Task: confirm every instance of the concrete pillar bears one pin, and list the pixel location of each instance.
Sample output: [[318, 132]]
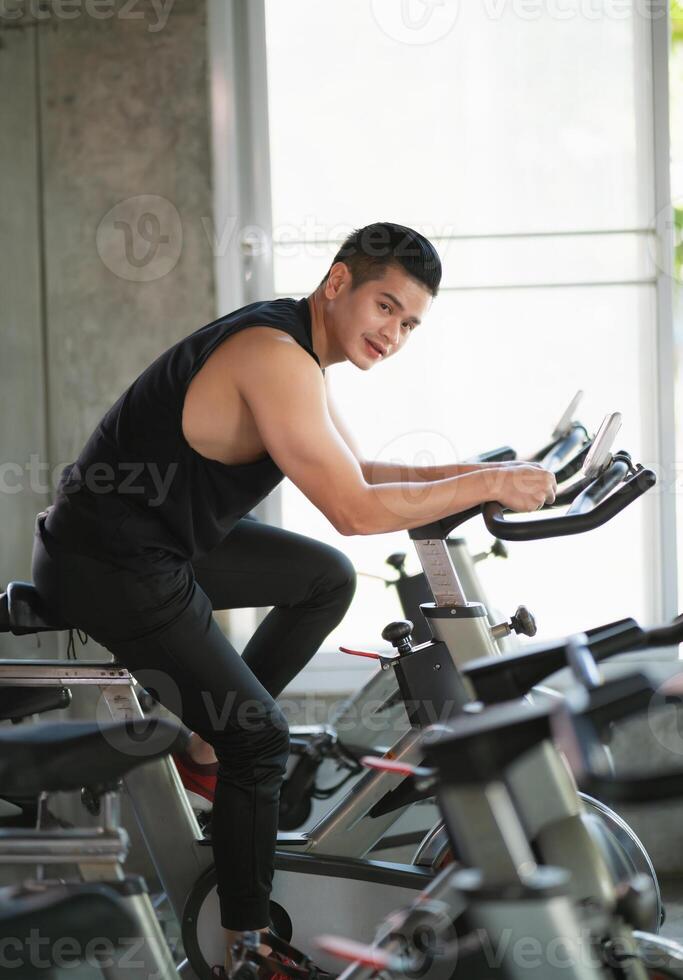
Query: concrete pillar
[[106, 226]]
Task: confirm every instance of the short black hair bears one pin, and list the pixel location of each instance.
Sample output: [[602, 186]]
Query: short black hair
[[369, 251]]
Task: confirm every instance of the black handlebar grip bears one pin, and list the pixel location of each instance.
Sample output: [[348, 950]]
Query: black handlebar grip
[[665, 636], [566, 446], [600, 488], [555, 527], [635, 788], [500, 455]]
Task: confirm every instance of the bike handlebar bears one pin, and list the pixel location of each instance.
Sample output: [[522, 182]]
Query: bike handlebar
[[513, 675], [555, 455], [620, 699], [573, 465], [602, 486], [500, 455], [585, 714], [596, 505], [641, 788]]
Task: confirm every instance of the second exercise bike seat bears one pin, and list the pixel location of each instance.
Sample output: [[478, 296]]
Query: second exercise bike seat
[[23, 611], [17, 703], [83, 911], [68, 755]]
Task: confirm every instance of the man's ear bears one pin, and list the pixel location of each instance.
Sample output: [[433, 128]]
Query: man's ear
[[338, 276]]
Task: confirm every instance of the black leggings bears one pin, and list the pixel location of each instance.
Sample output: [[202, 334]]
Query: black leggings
[[157, 621]]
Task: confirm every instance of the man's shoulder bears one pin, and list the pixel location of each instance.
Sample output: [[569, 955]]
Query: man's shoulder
[[280, 310], [271, 341]]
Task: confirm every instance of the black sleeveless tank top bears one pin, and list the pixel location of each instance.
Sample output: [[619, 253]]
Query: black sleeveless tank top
[[138, 490]]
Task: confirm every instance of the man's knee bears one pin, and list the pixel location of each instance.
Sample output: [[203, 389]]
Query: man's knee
[[257, 743], [278, 741], [339, 575]]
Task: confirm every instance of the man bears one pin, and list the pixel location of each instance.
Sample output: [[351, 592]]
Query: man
[[147, 534]]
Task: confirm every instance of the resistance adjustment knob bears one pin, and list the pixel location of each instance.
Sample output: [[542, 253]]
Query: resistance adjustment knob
[[523, 622], [398, 634]]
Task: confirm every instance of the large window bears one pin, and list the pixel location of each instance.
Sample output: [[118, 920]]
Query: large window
[[520, 137]]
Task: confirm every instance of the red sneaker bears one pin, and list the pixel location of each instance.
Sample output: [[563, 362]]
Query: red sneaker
[[197, 777], [265, 972]]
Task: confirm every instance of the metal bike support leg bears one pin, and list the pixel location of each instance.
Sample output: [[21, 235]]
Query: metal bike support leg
[[149, 955]]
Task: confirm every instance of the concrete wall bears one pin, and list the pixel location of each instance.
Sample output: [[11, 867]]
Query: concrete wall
[[22, 376], [105, 182], [105, 196]]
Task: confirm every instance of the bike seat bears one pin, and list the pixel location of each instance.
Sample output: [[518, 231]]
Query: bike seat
[[83, 912], [68, 755], [18, 702], [22, 611]]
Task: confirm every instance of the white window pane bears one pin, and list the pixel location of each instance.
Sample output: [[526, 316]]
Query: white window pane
[[505, 122], [490, 262]]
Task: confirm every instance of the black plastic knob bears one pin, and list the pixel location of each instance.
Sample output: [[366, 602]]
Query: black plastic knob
[[397, 561], [398, 634], [498, 549], [523, 622]]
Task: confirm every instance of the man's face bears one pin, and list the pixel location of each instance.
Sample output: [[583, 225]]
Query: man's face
[[374, 321]]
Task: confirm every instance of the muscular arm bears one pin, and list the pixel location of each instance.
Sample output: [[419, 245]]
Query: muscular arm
[[285, 392], [377, 471]]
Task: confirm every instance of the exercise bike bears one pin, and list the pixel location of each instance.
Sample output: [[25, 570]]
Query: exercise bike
[[503, 904]]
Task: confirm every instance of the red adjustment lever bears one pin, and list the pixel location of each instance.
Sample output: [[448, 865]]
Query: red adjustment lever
[[393, 765], [384, 661], [362, 653], [349, 949]]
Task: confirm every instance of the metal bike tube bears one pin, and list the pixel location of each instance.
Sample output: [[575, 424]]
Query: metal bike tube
[[348, 831], [553, 820], [352, 721], [509, 896], [466, 570], [147, 955], [464, 629]]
